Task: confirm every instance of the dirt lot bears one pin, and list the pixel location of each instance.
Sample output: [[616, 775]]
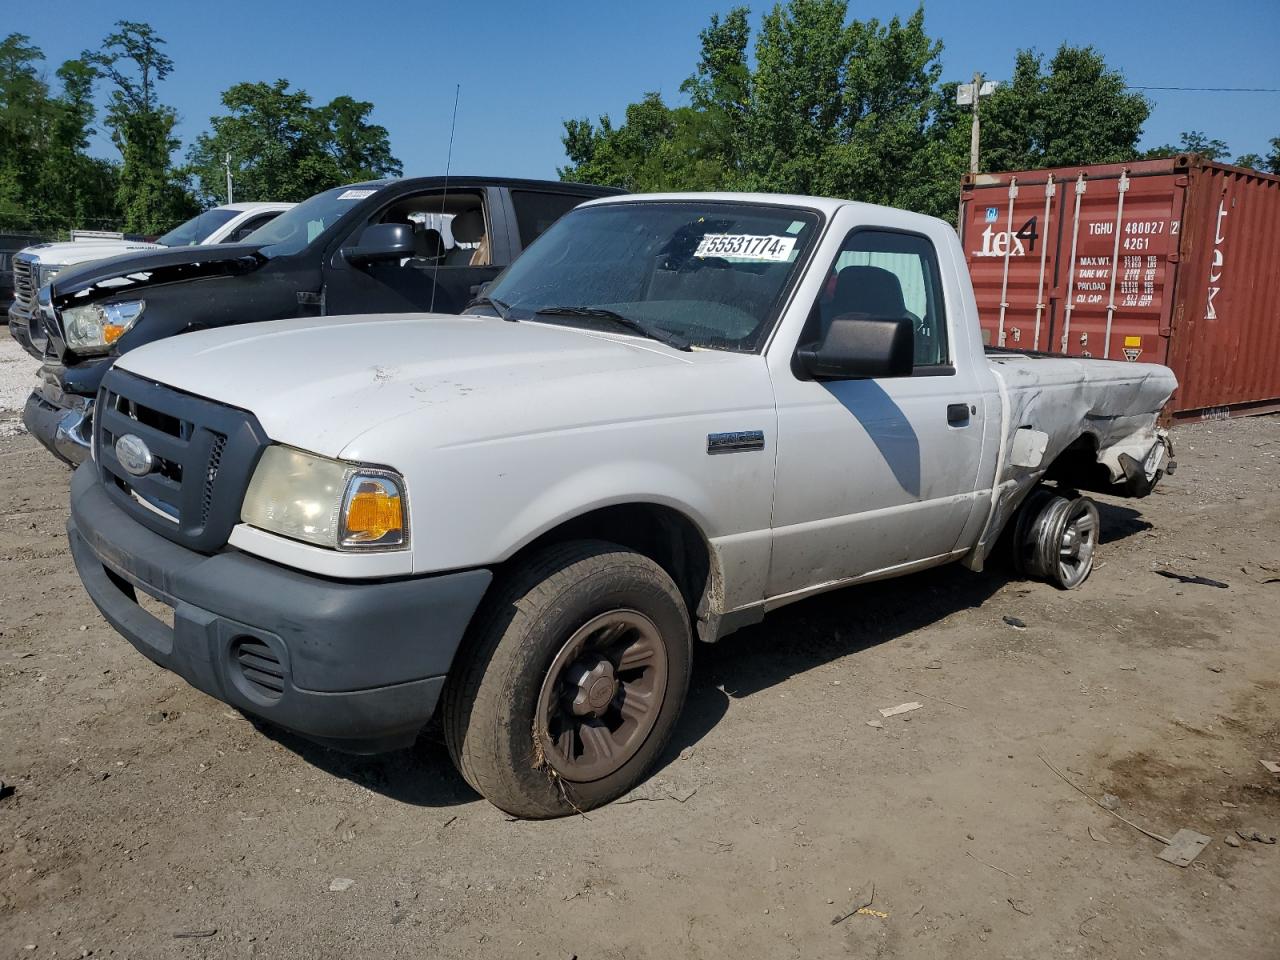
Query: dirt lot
[[144, 812]]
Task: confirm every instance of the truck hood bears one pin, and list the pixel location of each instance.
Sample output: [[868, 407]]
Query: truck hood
[[70, 254], [320, 384], [145, 268]]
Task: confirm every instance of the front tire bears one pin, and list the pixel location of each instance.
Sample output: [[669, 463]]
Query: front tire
[[571, 681]]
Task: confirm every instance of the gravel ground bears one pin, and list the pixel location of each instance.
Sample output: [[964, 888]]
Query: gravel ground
[[150, 821], [17, 372]]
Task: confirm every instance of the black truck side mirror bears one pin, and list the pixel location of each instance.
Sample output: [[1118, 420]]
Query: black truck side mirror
[[381, 241], [856, 348]]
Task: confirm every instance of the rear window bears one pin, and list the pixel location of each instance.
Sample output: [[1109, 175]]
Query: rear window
[[535, 211]]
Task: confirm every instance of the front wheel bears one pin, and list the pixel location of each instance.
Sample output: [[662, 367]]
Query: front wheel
[[1056, 538], [571, 682]]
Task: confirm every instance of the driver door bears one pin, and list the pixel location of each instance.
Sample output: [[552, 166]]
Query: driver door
[[445, 273], [875, 474]]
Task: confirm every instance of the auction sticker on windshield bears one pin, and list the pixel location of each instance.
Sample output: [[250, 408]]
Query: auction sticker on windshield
[[356, 194], [746, 246]]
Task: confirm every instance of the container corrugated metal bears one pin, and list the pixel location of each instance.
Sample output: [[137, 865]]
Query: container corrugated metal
[[1197, 287]]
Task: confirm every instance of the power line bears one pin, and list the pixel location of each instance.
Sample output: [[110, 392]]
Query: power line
[[1212, 89]]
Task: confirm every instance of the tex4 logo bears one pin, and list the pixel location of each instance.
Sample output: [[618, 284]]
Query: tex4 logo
[[1217, 265], [1000, 243]]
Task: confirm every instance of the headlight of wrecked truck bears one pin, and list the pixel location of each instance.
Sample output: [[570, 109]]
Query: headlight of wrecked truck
[[343, 506], [94, 327], [46, 272]]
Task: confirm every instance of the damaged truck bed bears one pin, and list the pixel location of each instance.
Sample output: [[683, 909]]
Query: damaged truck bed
[[1085, 424]]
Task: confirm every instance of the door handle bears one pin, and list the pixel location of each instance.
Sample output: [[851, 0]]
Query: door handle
[[958, 414]]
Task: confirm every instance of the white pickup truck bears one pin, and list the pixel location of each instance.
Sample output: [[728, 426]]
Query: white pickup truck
[[671, 415]]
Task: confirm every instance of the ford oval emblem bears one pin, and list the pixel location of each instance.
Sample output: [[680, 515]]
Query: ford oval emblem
[[134, 455]]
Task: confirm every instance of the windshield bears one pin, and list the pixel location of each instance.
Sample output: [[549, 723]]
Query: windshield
[[710, 273], [196, 230], [295, 228]]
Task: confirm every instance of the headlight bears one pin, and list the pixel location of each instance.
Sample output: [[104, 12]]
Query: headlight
[[94, 327], [46, 272], [342, 506]]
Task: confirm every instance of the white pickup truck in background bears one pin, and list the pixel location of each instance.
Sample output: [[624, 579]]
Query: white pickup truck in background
[[672, 414], [35, 266]]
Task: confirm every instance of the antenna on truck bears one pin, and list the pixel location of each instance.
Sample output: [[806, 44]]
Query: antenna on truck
[[435, 272]]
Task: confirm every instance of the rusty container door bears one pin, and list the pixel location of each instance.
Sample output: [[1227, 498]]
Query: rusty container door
[[1119, 284], [1225, 345], [1010, 237], [1052, 260]]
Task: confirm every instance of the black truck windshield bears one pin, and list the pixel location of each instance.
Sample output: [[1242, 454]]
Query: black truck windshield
[[197, 229], [709, 273], [290, 232]]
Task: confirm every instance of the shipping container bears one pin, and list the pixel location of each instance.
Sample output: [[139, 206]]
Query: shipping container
[[1196, 246]]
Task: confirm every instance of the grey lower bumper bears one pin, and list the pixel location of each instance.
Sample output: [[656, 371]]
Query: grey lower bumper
[[355, 665], [20, 322]]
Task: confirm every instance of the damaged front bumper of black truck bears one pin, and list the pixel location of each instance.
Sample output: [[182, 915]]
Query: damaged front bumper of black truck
[[59, 412]]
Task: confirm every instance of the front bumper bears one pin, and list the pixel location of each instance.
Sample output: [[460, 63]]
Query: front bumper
[[355, 665], [59, 412], [20, 322], [65, 429]]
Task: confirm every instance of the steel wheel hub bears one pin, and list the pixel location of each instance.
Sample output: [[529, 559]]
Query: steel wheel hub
[[1058, 538], [601, 695]]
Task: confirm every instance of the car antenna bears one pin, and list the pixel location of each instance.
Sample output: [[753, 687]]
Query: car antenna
[[435, 272]]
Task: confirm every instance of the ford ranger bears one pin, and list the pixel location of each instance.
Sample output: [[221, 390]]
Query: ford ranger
[[386, 246], [671, 415]]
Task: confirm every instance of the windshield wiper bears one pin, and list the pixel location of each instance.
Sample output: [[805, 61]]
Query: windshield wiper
[[635, 326], [499, 307]]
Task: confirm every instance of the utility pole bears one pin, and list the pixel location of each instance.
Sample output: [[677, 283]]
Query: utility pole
[[971, 94], [974, 135], [226, 162]]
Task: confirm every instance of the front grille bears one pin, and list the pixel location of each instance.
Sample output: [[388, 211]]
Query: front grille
[[211, 474], [24, 283], [203, 454], [259, 666]]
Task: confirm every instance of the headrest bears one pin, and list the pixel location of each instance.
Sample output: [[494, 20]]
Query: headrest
[[430, 244], [468, 227], [872, 291]]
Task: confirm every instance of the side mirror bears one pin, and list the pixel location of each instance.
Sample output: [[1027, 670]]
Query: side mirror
[[856, 349], [381, 241]]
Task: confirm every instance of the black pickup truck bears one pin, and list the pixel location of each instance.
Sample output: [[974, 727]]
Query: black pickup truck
[[389, 246]]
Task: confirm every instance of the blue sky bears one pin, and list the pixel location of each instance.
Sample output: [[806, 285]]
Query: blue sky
[[526, 67]]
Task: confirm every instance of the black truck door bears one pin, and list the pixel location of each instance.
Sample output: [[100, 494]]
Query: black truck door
[[460, 243]]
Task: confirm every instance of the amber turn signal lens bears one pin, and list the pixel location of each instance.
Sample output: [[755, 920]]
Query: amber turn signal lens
[[111, 332], [374, 514]]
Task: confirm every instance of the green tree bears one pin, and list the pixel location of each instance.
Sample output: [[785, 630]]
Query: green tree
[[47, 180], [150, 193], [894, 128], [1193, 141], [283, 148], [852, 108], [720, 94], [1268, 164], [797, 94], [23, 115], [656, 148], [73, 188], [1077, 112], [359, 149]]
